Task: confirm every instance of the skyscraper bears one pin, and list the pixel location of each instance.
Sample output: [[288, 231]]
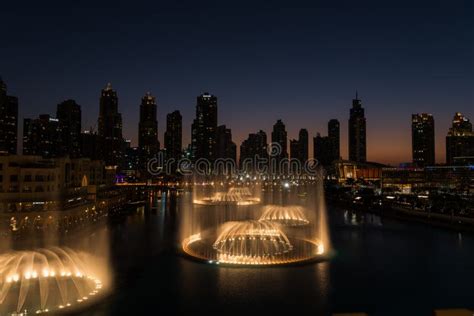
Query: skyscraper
[[423, 139], [279, 146], [204, 128], [91, 145], [148, 131], [226, 148], [334, 137], [255, 146], [174, 136], [42, 137], [299, 147], [110, 127], [460, 139], [303, 140], [69, 115], [357, 132], [322, 149], [8, 121]]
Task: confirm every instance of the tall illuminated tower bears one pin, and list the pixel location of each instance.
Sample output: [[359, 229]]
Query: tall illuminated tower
[[460, 139], [423, 139], [204, 128]]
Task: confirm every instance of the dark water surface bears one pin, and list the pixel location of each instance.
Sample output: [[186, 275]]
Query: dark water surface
[[382, 267]]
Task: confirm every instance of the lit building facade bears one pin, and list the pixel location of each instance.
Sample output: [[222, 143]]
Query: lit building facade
[[42, 137], [204, 128], [33, 183], [423, 139], [8, 121], [460, 140]]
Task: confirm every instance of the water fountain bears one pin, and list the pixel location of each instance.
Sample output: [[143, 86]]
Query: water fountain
[[48, 280], [288, 215], [220, 229], [223, 195]]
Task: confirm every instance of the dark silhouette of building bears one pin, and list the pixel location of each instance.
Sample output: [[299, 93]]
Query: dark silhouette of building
[[42, 137], [226, 148], [91, 145], [69, 115], [279, 146], [174, 136], [253, 149], [323, 150], [299, 147], [460, 140], [110, 127], [8, 121], [326, 148], [204, 128], [423, 139], [357, 132], [148, 131], [334, 136]]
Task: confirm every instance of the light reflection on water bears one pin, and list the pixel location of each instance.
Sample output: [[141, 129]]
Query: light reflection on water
[[382, 266]]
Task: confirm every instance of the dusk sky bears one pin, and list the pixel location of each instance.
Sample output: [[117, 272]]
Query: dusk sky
[[290, 60]]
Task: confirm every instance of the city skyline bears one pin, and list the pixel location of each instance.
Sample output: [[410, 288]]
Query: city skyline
[[343, 146], [331, 50]]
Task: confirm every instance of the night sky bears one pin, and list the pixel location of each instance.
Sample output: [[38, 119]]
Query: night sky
[[301, 62]]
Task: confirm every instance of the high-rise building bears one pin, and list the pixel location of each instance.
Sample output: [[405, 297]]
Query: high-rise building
[[423, 139], [299, 147], [295, 149], [460, 139], [148, 130], [204, 128], [303, 140], [357, 132], [226, 148], [42, 137], [91, 145], [252, 149], [110, 127], [174, 136], [323, 150], [326, 148], [279, 147], [69, 115], [8, 121], [334, 136]]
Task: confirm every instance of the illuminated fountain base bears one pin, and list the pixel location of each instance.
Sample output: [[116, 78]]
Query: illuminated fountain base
[[234, 196], [252, 243], [46, 281]]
